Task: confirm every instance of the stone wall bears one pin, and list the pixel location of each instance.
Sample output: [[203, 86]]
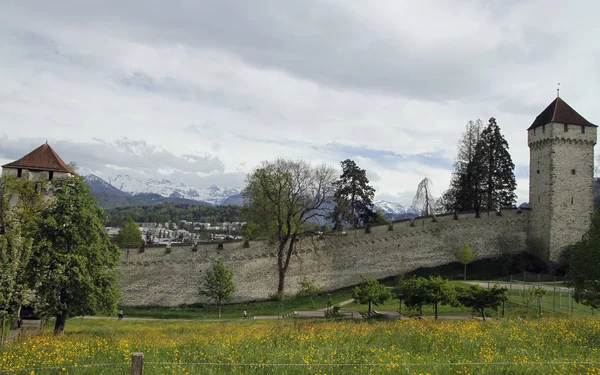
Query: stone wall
[[334, 260]]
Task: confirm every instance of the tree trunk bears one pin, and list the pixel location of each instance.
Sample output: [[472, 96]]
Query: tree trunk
[[421, 309], [14, 320], [436, 311], [483, 313], [281, 284], [465, 273], [59, 326], [370, 309], [2, 334], [219, 311]]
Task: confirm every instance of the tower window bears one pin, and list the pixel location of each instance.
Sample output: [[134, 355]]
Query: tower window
[[50, 175], [19, 172], [571, 200], [582, 129], [538, 171], [572, 171], [566, 127]]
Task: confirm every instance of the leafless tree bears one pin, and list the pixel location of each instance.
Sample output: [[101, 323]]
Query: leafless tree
[[423, 199], [281, 196]]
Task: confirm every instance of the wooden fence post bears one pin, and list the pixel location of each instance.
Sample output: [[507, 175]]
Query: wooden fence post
[[137, 363]]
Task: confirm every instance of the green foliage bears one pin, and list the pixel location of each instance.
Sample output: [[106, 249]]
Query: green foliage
[[171, 212], [584, 273], [465, 256], [419, 291], [308, 287], [130, 234], [484, 172], [379, 218], [249, 230], [479, 298], [495, 169], [353, 196], [20, 206], [281, 196], [371, 292], [74, 262], [218, 285]]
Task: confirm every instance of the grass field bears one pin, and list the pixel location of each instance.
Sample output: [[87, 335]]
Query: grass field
[[305, 347]]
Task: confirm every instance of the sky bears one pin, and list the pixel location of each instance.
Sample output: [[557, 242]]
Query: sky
[[201, 91]]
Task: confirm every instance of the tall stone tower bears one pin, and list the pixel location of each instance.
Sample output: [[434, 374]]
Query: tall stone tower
[[561, 177]]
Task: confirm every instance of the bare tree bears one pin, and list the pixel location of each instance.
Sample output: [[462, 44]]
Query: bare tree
[[423, 199], [283, 195]]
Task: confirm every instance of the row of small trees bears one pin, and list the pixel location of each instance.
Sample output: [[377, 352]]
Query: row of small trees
[[434, 291]]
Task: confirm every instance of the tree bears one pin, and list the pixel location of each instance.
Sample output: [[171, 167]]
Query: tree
[[280, 197], [438, 291], [218, 285], [353, 195], [371, 292], [130, 234], [379, 218], [423, 198], [20, 206], [464, 186], [308, 287], [74, 263], [495, 169], [479, 298], [419, 291], [584, 273], [465, 256], [413, 292]]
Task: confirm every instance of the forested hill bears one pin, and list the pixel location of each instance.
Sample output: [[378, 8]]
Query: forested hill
[[174, 212]]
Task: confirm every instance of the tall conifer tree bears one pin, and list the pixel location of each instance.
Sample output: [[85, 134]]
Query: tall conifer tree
[[353, 196], [494, 169]]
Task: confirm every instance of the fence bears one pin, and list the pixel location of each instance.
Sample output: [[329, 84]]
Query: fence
[[137, 365], [555, 297]]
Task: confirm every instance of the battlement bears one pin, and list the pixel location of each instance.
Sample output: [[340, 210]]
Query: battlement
[[334, 260]]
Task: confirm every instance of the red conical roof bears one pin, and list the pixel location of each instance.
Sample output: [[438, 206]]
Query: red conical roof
[[561, 112], [43, 158]]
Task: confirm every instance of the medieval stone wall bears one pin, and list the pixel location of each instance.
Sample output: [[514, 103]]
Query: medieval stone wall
[[158, 277]]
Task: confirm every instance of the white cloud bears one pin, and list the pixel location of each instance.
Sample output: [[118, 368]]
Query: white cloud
[[203, 91]]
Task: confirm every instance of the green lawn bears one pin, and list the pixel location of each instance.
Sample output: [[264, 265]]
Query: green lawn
[[234, 311]]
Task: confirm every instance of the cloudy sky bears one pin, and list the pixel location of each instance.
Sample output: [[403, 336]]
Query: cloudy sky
[[200, 91]]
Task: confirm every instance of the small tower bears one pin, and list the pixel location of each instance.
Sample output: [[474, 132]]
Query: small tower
[[43, 163], [561, 177]]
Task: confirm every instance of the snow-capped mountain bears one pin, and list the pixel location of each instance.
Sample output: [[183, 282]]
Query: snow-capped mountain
[[392, 208], [98, 185], [165, 188]]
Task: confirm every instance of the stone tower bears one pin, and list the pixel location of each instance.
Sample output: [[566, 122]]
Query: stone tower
[[561, 178]]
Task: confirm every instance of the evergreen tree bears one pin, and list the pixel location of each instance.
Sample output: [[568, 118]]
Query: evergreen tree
[[73, 268], [464, 185], [494, 170], [353, 196]]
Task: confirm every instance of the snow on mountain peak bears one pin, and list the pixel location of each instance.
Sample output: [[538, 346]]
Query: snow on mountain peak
[[166, 188]]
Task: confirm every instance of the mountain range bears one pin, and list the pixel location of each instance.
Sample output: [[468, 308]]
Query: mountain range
[[125, 190]]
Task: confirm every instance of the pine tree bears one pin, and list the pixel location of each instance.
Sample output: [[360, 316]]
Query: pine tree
[[494, 170], [353, 196], [464, 186]]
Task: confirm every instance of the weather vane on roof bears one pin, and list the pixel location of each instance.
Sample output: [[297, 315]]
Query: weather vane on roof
[[558, 90]]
